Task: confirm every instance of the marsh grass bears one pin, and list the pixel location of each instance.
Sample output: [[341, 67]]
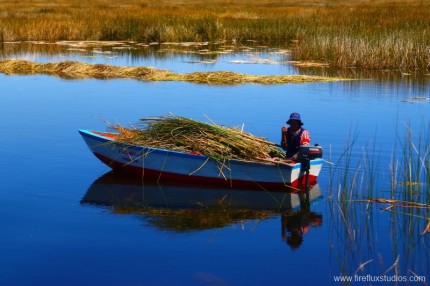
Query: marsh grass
[[78, 70], [415, 165], [369, 37], [358, 178], [382, 35], [357, 202], [411, 178]]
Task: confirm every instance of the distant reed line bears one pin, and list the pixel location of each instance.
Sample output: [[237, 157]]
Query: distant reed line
[[78, 70], [381, 35]]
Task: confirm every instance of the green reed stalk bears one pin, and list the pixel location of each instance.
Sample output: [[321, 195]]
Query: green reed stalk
[[413, 171], [352, 220]]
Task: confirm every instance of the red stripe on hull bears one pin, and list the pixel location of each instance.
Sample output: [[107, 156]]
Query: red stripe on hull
[[161, 176]]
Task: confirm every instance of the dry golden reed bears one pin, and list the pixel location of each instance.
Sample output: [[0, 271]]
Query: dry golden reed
[[79, 70], [187, 135], [379, 34]]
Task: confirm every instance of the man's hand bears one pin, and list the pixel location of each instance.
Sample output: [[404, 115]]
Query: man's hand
[[284, 137]]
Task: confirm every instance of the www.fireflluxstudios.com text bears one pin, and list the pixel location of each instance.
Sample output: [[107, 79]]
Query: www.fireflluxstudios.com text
[[379, 278]]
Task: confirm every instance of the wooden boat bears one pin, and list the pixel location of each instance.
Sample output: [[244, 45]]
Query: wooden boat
[[166, 165]]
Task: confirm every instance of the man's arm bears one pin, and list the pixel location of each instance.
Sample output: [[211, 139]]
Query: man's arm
[[305, 138]]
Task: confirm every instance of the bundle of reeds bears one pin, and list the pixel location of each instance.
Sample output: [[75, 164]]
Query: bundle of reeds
[[183, 134]]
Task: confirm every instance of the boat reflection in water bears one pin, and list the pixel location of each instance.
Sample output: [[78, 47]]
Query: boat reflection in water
[[185, 207]]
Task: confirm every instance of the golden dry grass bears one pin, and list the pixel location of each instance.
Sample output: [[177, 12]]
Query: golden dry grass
[[187, 135], [380, 34], [79, 70]]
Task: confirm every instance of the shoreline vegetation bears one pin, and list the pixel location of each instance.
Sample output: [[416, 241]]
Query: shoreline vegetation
[[78, 70], [372, 35]]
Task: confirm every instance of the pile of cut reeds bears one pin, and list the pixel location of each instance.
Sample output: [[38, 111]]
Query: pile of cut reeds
[[187, 135]]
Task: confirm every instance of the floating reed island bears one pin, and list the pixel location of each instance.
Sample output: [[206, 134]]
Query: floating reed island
[[187, 135], [79, 70]]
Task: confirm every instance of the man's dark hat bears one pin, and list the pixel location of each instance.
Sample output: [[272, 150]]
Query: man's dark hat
[[295, 116]]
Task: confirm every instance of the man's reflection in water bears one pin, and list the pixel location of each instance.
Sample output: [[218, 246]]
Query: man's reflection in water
[[297, 223]]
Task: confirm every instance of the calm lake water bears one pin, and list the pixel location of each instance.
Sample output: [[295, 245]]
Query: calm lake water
[[67, 220]]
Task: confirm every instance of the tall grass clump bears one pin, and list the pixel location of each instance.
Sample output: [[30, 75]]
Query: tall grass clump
[[368, 37], [411, 172], [364, 213], [351, 231], [381, 35], [356, 178], [354, 173]]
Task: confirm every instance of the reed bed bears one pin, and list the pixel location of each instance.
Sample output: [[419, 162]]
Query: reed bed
[[79, 70], [361, 201], [382, 34], [187, 135], [356, 186]]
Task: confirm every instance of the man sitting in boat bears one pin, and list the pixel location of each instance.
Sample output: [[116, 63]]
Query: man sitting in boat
[[294, 137]]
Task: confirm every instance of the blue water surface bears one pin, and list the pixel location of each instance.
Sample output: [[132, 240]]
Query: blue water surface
[[51, 238]]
